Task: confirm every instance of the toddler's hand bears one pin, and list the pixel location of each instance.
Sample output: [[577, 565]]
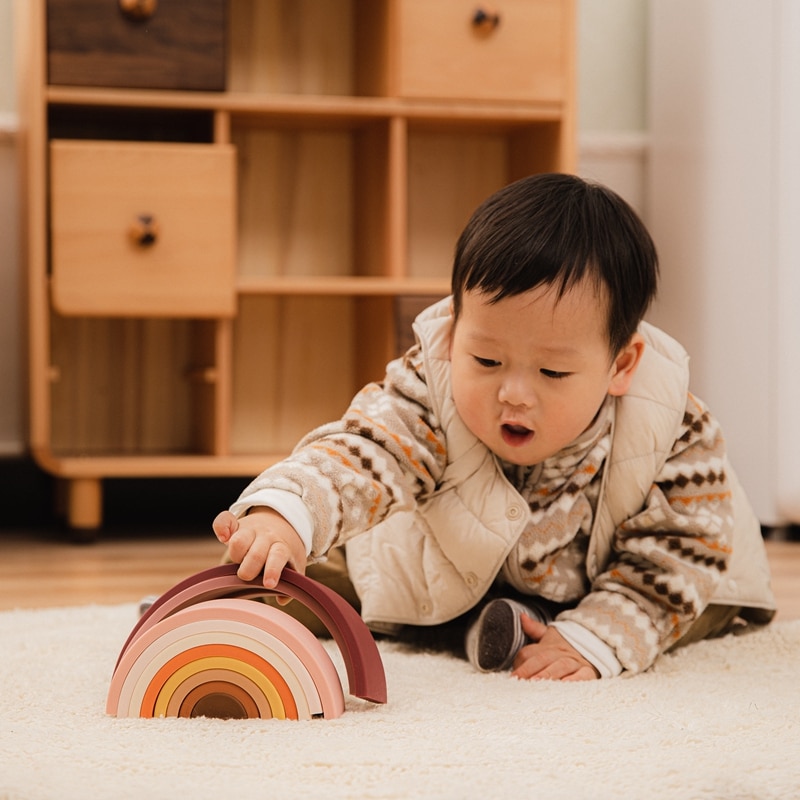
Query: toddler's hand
[[261, 542], [550, 657]]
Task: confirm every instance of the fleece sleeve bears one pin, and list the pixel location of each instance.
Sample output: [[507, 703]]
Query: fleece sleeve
[[384, 455]]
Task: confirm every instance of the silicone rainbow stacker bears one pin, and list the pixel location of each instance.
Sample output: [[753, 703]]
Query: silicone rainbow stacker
[[204, 648]]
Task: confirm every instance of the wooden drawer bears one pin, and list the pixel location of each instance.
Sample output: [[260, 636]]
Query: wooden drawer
[[93, 43], [445, 53], [143, 229]]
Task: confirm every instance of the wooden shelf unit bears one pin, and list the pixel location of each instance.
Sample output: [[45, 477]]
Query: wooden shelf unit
[[361, 134]]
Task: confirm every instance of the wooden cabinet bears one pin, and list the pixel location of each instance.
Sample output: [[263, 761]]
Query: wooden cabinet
[[213, 270]]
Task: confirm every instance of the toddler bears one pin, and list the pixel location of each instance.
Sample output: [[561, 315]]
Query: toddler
[[534, 468]]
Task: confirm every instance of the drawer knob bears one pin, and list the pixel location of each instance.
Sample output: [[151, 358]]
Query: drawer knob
[[144, 231], [138, 10], [485, 21]]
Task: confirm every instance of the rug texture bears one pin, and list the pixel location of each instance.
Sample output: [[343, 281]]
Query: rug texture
[[720, 719]]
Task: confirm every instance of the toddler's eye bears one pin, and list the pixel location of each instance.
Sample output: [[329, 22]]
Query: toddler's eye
[[551, 373], [486, 362]]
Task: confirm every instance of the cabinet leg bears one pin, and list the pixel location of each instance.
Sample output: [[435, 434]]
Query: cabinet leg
[[84, 503]]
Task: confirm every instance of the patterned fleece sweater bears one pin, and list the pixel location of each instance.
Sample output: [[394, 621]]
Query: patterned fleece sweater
[[388, 452]]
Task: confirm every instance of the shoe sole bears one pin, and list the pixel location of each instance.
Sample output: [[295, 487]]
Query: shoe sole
[[500, 636]]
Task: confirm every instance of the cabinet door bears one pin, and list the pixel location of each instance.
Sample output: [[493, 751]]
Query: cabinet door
[[143, 229], [453, 49]]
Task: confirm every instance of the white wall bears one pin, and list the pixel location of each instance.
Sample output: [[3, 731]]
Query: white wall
[[725, 202], [612, 96], [612, 142]]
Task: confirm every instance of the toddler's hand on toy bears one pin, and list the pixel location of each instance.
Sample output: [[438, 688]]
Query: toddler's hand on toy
[[550, 657], [260, 542]]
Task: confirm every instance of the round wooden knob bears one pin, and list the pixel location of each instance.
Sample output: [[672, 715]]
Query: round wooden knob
[[138, 10], [485, 20], [144, 231]]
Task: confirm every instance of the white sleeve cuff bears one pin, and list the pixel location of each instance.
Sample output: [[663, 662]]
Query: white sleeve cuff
[[591, 647], [287, 504]]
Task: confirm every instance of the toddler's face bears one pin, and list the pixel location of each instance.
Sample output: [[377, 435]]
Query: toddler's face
[[530, 372]]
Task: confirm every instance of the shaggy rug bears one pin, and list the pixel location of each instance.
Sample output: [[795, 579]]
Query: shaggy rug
[[720, 719]]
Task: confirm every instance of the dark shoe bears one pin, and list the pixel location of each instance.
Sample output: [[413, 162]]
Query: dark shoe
[[495, 638]]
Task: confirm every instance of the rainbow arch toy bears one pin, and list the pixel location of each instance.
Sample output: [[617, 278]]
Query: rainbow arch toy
[[204, 648]]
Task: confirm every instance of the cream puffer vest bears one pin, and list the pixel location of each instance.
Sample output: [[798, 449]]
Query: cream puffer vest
[[429, 566]]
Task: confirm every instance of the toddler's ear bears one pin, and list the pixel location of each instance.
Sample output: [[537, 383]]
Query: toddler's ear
[[625, 364]]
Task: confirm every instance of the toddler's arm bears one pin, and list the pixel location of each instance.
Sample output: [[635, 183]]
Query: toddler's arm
[[261, 542], [380, 458]]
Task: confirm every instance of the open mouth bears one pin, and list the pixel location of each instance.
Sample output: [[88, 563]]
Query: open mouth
[[516, 435]]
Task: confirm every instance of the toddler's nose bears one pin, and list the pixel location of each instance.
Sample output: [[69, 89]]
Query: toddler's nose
[[517, 391]]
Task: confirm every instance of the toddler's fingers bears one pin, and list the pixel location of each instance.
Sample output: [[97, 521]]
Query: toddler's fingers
[[224, 526], [277, 558], [532, 627]]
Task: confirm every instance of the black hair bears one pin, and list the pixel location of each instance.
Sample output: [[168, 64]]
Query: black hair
[[555, 229]]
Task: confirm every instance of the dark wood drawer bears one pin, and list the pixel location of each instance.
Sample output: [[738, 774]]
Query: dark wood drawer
[[180, 46]]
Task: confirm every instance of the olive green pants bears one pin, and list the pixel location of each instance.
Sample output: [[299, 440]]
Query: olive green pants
[[715, 621]]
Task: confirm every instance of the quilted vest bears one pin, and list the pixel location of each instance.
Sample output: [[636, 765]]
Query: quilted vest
[[431, 565]]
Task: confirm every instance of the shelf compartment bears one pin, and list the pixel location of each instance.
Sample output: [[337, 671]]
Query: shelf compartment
[[293, 369], [337, 47], [452, 168], [290, 46], [312, 200], [299, 360], [129, 386]]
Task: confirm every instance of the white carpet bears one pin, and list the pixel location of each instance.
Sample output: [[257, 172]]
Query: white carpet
[[717, 720]]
